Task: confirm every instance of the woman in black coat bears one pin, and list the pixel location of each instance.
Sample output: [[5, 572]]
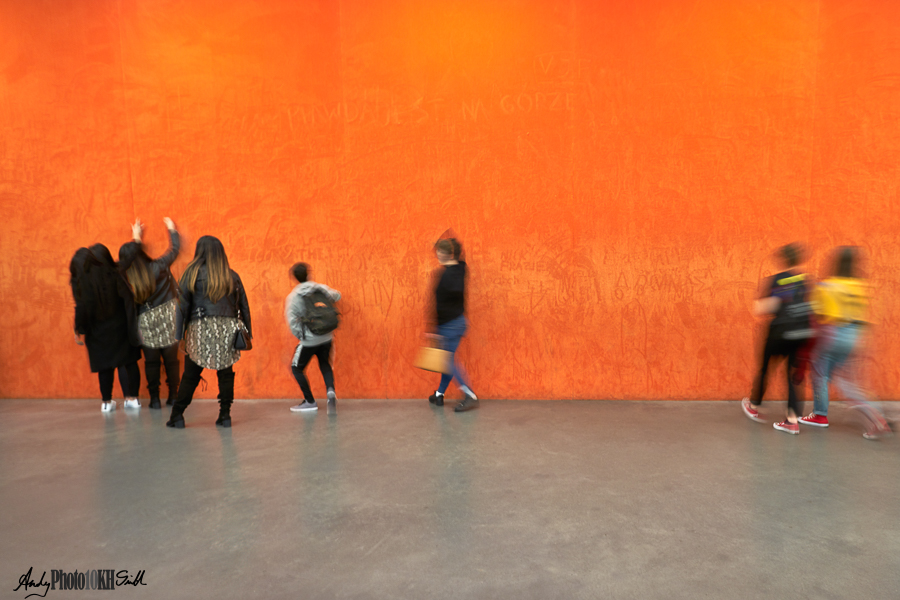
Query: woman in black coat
[[156, 296], [104, 316]]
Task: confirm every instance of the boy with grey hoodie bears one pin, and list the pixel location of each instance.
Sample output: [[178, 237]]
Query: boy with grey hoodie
[[310, 344]]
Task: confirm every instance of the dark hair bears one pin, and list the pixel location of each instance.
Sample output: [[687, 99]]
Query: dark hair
[[444, 246], [100, 255], [99, 286], [210, 253], [792, 254], [300, 272], [845, 263], [133, 263], [449, 246], [76, 272]]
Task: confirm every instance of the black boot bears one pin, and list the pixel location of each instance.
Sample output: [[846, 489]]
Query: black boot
[[226, 397], [224, 419], [170, 358], [185, 392], [176, 419], [154, 401]]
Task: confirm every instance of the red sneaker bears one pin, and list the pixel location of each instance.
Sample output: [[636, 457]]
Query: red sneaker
[[788, 427], [815, 420], [879, 430], [751, 411]]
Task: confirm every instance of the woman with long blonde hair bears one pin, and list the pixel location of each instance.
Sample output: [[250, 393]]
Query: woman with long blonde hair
[[212, 310]]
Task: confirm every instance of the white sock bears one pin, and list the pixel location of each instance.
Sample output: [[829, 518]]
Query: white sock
[[465, 389]]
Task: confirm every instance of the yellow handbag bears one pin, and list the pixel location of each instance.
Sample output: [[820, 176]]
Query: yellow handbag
[[434, 359]]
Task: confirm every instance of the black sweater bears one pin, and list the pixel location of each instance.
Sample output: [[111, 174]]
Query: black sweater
[[450, 293], [166, 287]]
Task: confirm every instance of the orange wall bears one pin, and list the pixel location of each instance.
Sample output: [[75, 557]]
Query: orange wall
[[619, 172]]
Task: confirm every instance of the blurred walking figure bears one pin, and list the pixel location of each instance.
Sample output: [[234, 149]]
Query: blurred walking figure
[[156, 295], [310, 313], [841, 303], [450, 309], [105, 323], [212, 310], [786, 298]]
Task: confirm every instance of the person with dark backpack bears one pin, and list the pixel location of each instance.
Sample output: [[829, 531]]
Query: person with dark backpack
[[786, 297], [312, 318]]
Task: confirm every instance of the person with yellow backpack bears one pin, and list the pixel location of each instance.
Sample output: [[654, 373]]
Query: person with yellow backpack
[[841, 304]]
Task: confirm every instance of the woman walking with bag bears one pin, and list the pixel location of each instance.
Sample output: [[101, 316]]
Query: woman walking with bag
[[214, 319], [104, 319], [156, 295], [450, 308]]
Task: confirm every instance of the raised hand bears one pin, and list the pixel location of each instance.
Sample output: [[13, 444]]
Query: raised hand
[[137, 229]]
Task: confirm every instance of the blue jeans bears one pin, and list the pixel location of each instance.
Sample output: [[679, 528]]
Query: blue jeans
[[833, 350], [452, 333]]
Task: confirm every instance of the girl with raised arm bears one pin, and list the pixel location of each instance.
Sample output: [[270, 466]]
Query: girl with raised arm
[[156, 295]]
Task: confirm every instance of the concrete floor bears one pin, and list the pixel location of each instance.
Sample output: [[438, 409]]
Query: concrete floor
[[395, 499]]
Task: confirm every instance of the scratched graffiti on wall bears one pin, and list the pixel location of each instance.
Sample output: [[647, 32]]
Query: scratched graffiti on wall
[[618, 173]]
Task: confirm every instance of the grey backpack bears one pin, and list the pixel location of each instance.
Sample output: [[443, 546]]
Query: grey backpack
[[320, 316]]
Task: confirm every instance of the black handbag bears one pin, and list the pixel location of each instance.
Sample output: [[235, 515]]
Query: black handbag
[[242, 339]]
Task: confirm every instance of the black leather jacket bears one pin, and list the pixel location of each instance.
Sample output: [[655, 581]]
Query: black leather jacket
[[166, 286], [197, 305]]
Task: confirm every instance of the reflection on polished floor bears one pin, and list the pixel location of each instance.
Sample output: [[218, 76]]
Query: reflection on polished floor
[[396, 499]]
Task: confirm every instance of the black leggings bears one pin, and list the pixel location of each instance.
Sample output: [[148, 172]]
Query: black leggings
[[779, 349], [152, 359], [191, 379], [323, 353], [129, 380]]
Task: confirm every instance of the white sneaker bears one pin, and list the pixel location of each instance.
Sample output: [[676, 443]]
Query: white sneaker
[[108, 406], [332, 403], [133, 403], [305, 406]]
